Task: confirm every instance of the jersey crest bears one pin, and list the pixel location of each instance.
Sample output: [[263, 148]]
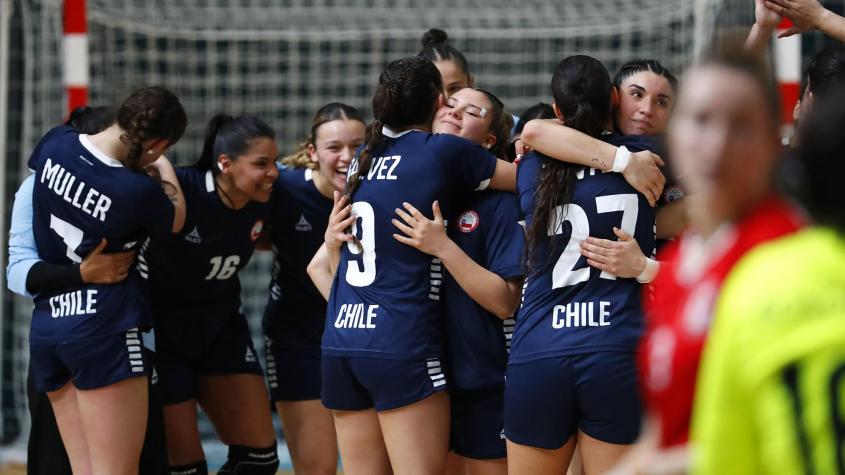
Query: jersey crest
[[468, 221]]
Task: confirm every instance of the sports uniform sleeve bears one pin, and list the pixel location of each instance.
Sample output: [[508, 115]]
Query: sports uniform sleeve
[[504, 239], [469, 166], [23, 253], [722, 432], [157, 211]]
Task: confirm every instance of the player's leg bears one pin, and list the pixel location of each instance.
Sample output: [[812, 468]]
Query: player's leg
[[455, 464], [359, 436], [528, 460], [413, 410], [540, 416], [69, 421], [417, 435], [238, 406], [310, 434], [45, 453], [232, 393], [177, 391], [154, 453], [294, 381], [184, 447], [361, 442], [114, 418], [599, 456], [611, 411]]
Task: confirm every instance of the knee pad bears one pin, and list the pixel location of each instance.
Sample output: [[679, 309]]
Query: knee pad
[[250, 461], [196, 468]]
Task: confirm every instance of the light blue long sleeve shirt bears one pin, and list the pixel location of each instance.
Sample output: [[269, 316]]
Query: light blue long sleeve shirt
[[22, 251]]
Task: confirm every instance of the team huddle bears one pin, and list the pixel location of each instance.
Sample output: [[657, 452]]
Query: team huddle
[[454, 289]]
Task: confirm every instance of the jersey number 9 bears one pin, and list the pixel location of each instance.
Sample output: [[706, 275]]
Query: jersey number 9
[[361, 271]]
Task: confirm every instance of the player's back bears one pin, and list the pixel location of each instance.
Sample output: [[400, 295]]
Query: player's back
[[772, 383], [80, 197], [569, 307], [385, 300]]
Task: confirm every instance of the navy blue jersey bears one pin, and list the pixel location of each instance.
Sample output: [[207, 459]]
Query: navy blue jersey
[[487, 229], [299, 214], [80, 197], [199, 266], [385, 298], [569, 307]]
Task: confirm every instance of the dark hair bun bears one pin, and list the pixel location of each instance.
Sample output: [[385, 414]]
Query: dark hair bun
[[434, 36]]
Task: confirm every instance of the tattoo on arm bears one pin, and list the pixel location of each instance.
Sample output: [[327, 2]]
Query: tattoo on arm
[[170, 191]]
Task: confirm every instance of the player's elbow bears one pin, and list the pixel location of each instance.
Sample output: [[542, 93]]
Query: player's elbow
[[530, 132]]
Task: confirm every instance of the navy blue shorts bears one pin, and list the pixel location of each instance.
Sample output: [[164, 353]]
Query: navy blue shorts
[[357, 383], [90, 364], [188, 347], [292, 375], [477, 429], [548, 400]]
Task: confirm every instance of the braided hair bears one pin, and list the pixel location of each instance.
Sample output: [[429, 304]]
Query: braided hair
[[406, 95], [150, 113]]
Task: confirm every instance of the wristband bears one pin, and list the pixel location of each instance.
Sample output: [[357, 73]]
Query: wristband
[[620, 160], [649, 271]]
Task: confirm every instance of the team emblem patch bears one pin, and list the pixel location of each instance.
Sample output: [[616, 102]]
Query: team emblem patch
[[256, 229], [673, 193], [468, 221]]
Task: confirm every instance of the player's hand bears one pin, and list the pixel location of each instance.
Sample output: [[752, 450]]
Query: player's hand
[[806, 15], [622, 258], [427, 235], [765, 18], [99, 268], [643, 173], [340, 220]]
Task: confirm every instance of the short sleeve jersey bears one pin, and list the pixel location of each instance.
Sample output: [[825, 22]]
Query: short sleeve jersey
[[486, 227], [772, 383], [80, 197], [385, 298], [296, 312], [198, 268], [569, 307], [679, 314]]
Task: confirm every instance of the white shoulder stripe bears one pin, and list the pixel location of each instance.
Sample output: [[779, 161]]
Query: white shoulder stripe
[[483, 185], [209, 181], [83, 139]]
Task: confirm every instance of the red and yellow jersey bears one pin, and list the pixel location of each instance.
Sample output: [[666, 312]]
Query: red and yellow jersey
[[679, 314]]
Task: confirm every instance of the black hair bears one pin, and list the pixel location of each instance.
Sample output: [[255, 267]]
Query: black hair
[[231, 136], [436, 47], [329, 112], [825, 71], [150, 113], [639, 65], [91, 120], [820, 153], [581, 88], [406, 95], [540, 110]]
